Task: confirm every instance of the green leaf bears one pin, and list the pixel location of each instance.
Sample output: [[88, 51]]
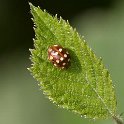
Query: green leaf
[[85, 87]]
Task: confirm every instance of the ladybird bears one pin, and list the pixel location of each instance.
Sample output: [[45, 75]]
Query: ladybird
[[59, 56]]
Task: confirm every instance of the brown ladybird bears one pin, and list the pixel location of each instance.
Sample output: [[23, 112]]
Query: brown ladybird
[[59, 56]]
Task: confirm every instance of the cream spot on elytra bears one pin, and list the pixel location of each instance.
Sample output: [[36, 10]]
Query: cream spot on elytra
[[64, 64], [65, 55], [55, 64], [61, 58], [51, 57], [60, 50], [57, 61]]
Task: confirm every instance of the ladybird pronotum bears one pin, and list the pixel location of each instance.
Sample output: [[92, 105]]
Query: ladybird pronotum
[[59, 56]]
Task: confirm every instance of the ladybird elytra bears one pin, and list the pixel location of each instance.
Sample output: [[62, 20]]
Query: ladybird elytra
[[59, 56]]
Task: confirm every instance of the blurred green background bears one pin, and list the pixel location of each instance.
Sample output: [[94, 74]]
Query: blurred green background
[[21, 101]]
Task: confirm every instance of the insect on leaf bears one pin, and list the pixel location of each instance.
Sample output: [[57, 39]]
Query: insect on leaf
[[85, 87]]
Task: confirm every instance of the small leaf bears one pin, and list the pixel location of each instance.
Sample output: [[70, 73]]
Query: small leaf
[[85, 87]]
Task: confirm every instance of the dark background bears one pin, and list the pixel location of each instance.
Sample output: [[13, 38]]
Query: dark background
[[21, 101], [16, 26]]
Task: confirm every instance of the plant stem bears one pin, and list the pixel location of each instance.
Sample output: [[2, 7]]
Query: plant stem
[[118, 119]]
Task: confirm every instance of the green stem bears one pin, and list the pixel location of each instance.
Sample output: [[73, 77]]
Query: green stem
[[118, 119]]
